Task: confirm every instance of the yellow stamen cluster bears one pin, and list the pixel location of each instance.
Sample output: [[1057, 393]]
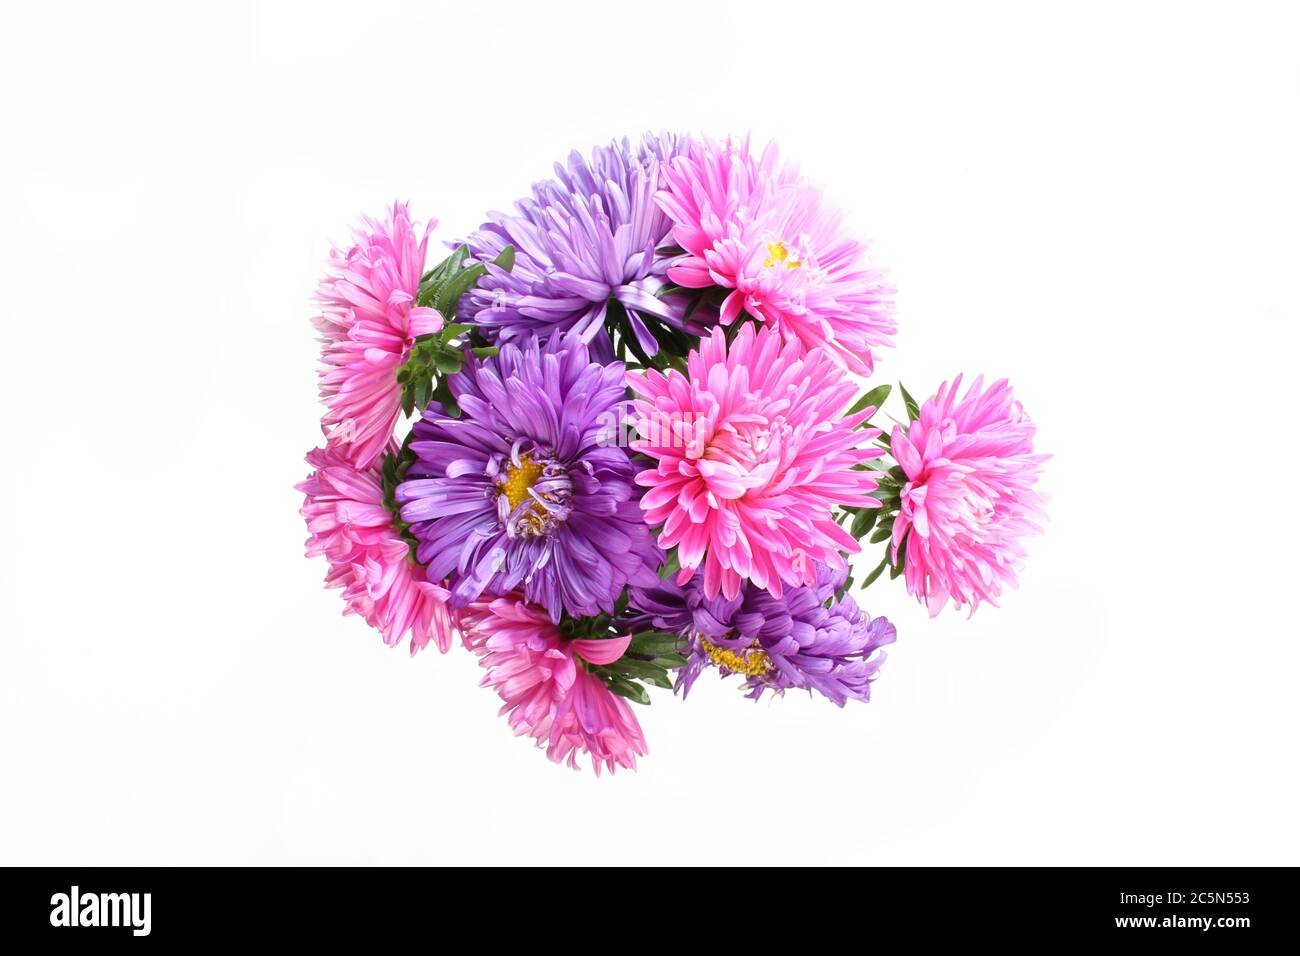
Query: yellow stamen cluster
[[777, 252], [519, 480], [751, 661]]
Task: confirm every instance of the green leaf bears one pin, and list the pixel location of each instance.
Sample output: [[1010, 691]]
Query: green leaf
[[631, 667], [864, 521], [442, 395], [671, 566], [393, 473], [629, 689], [691, 307], [448, 361], [879, 569], [874, 398], [447, 297], [671, 661], [897, 569], [505, 258], [913, 410], [654, 643], [435, 277]]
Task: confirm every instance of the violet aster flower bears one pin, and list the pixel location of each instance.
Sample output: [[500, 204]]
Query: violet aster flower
[[584, 255], [806, 639], [528, 490]]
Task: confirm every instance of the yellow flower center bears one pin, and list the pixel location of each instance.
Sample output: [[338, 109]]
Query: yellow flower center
[[777, 252], [519, 480], [751, 661]]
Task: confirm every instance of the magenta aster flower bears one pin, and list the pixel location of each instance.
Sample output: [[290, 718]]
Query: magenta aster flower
[[752, 456], [529, 489], [368, 558], [758, 228], [368, 324], [549, 695], [969, 497]]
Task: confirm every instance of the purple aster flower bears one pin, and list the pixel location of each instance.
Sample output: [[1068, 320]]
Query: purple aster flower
[[807, 639], [528, 490], [585, 256]]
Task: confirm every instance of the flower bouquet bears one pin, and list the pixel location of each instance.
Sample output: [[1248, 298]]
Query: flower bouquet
[[640, 449]]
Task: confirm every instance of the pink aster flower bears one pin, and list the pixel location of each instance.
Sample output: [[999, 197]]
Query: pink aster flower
[[758, 228], [368, 324], [751, 458], [969, 498], [368, 558], [549, 696]]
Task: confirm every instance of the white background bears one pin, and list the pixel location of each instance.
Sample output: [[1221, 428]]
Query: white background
[[1097, 200]]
